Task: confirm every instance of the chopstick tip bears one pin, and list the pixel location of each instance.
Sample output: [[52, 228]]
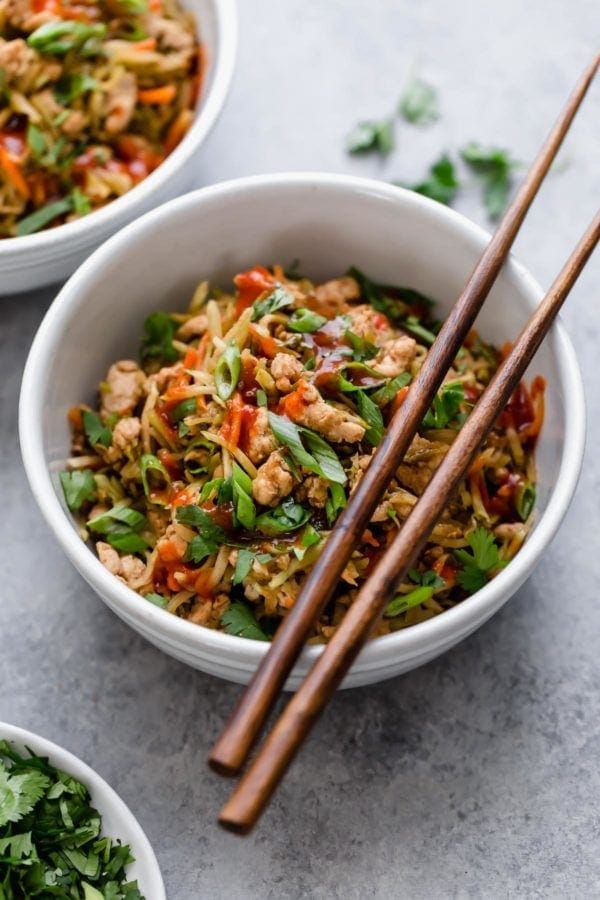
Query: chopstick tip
[[221, 767]]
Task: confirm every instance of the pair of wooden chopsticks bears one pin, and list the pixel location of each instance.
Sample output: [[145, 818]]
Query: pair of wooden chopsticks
[[232, 748]]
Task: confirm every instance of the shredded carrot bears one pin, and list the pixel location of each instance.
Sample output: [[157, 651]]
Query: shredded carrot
[[14, 173], [232, 425], [75, 418], [155, 6], [148, 43], [399, 398], [158, 96], [538, 387], [177, 130]]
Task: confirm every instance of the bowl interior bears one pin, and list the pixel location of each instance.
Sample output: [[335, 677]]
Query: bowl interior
[[327, 223], [117, 820]]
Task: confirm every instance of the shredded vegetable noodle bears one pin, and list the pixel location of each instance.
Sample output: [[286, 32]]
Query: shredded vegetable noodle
[[211, 473], [93, 96]]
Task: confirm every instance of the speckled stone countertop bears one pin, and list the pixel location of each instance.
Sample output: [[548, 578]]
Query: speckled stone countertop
[[478, 775]]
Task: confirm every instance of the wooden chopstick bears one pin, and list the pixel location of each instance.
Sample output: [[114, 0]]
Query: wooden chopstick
[[285, 739], [239, 734]]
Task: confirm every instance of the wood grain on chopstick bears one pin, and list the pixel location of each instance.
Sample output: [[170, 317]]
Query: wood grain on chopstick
[[256, 787], [238, 736]]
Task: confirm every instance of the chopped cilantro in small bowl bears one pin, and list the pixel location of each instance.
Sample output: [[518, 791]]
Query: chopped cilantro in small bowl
[[63, 831]]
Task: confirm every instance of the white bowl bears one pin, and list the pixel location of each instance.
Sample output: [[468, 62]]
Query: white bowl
[[52, 255], [117, 820], [327, 222]]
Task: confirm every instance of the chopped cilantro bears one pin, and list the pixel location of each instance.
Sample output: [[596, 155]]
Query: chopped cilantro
[[157, 340], [51, 841], [244, 561], [479, 561], [419, 103], [284, 518], [445, 407], [494, 166], [78, 486], [441, 185], [277, 299], [238, 619], [95, 430], [210, 535], [377, 136]]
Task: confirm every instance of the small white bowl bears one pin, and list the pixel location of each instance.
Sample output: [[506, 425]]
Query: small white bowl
[[52, 255], [327, 222], [118, 822]]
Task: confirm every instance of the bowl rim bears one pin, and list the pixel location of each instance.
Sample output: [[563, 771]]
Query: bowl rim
[[210, 104], [243, 653], [98, 787]]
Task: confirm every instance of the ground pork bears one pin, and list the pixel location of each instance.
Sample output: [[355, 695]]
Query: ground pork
[[124, 386], [369, 324], [22, 15], [286, 370], [16, 58], [261, 440], [314, 489], [421, 460], [337, 425], [120, 101], [332, 296], [129, 569], [395, 356], [273, 482], [169, 34], [193, 327]]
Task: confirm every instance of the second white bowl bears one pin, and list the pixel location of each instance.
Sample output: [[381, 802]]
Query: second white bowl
[[51, 255], [328, 223]]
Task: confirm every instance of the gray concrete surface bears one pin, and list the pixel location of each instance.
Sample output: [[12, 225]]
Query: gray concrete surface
[[478, 775]]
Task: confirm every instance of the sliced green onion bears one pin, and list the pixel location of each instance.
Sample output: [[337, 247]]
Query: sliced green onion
[[150, 463], [36, 140], [157, 599], [336, 501], [227, 371], [59, 37], [371, 414], [406, 601], [42, 217], [525, 500], [185, 408], [305, 321], [81, 204]]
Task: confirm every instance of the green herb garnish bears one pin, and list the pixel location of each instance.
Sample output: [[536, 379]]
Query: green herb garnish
[[384, 395], [78, 487], [494, 166], [403, 602], [305, 321], [524, 500], [70, 87], [37, 220], [287, 517], [244, 561], [157, 340], [51, 842], [277, 299], [151, 464], [121, 526], [239, 619], [317, 456], [210, 535], [371, 414], [419, 103], [335, 503], [441, 185], [95, 430], [59, 37], [479, 561], [228, 370], [446, 406], [377, 136]]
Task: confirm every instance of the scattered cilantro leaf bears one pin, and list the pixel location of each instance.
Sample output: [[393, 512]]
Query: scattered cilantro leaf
[[441, 185], [419, 103], [157, 339], [243, 563], [277, 299], [238, 619], [284, 518], [210, 535], [494, 166], [78, 486], [376, 136], [19, 793], [477, 562], [427, 579], [445, 406], [95, 429]]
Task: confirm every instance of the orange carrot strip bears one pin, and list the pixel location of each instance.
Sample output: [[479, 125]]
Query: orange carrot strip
[[14, 173], [158, 96], [177, 130], [148, 43]]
